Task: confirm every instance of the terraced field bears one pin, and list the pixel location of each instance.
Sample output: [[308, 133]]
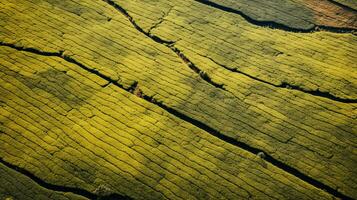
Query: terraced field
[[185, 99]]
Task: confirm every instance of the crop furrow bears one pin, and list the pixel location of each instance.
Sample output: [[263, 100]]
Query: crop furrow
[[169, 44], [205, 76], [276, 25], [286, 85], [59, 188], [134, 90]]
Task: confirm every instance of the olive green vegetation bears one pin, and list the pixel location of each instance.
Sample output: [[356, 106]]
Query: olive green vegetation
[[286, 123], [81, 132], [296, 14], [15, 186], [313, 61], [60, 124], [285, 12]]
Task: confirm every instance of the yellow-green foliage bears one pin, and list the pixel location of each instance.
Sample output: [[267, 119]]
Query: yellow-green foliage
[[17, 186], [321, 60], [65, 125], [68, 130]]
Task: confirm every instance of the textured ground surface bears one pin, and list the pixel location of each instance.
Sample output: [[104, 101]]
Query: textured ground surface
[[186, 99]]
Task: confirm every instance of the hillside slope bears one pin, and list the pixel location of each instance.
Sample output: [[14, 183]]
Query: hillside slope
[[186, 99]]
